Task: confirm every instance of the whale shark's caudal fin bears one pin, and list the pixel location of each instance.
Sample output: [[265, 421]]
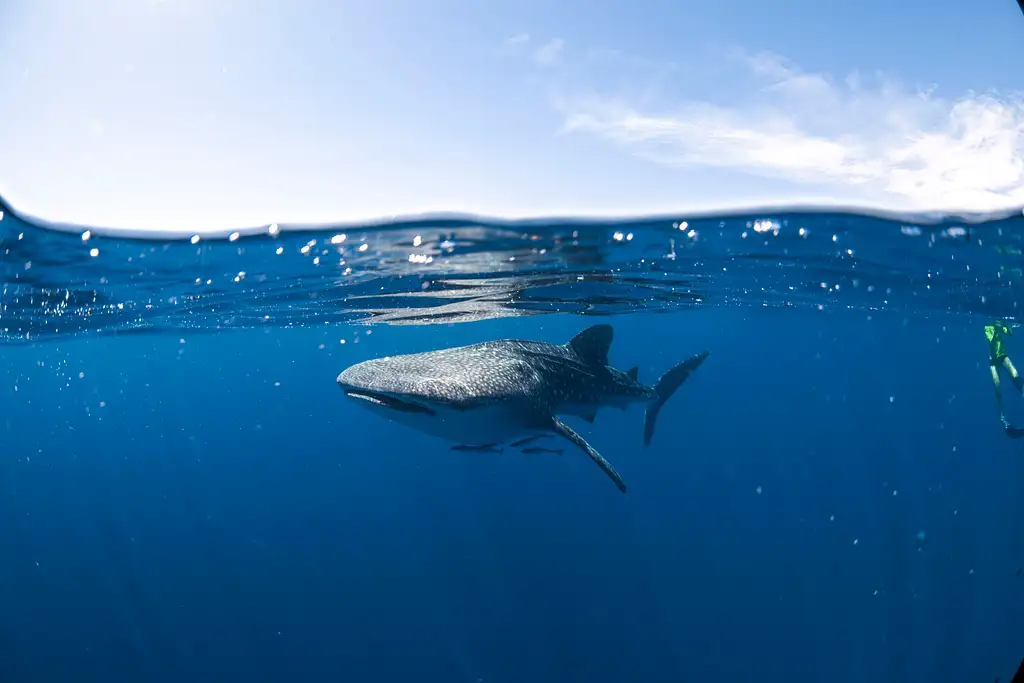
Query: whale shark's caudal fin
[[667, 386]]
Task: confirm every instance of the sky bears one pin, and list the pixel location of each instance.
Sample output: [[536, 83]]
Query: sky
[[200, 115]]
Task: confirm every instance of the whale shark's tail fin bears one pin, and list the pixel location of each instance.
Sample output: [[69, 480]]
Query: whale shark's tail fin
[[667, 386]]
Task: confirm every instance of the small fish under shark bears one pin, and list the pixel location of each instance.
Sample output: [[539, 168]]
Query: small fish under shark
[[484, 395]]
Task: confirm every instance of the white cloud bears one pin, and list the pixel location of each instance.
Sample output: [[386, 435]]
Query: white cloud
[[549, 54], [864, 138]]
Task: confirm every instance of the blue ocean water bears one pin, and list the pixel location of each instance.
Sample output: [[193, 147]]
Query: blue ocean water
[[185, 493]]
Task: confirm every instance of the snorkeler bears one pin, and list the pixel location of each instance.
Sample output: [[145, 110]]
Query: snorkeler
[[997, 357]]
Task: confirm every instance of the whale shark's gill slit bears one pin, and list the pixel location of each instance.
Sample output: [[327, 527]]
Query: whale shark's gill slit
[[388, 401]]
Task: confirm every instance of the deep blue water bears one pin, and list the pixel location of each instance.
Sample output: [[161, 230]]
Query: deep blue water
[[185, 494]]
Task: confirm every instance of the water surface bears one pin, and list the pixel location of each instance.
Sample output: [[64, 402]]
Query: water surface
[[186, 494]]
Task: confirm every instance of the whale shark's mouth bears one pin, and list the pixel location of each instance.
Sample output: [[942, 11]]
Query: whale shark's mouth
[[389, 401]]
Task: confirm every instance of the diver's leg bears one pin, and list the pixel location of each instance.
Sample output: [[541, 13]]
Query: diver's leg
[[994, 369], [1017, 380]]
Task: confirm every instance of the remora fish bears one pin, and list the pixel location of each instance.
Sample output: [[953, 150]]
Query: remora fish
[[487, 394]]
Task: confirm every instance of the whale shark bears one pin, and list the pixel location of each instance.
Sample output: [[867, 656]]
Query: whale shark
[[484, 396]]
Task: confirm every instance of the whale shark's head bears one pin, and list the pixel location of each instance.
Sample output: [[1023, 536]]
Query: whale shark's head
[[466, 395], [380, 384]]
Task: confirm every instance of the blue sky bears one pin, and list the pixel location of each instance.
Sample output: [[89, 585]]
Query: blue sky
[[207, 114]]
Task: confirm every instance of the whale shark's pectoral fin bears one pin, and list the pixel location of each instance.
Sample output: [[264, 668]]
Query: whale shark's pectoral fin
[[485, 448], [570, 434]]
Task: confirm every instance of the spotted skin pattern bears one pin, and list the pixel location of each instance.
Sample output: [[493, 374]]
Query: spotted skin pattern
[[511, 387], [545, 376]]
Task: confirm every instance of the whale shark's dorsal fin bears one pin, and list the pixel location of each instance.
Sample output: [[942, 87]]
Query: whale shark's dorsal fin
[[592, 344], [634, 373]]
